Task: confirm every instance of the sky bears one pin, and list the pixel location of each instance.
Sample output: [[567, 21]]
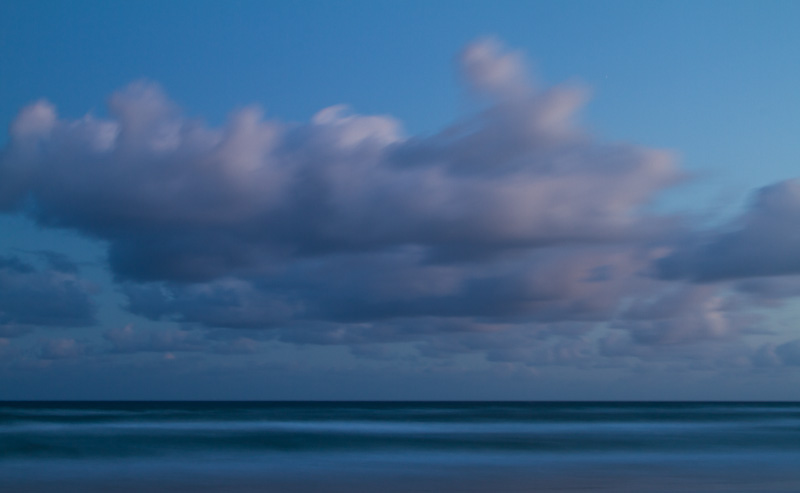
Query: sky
[[372, 200]]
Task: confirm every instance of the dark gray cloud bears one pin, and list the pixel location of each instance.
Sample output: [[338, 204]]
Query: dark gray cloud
[[682, 314], [770, 291], [534, 345], [777, 355], [789, 352], [765, 241], [59, 262], [42, 297], [543, 286]]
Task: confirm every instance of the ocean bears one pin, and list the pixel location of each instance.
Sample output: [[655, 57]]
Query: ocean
[[388, 447]]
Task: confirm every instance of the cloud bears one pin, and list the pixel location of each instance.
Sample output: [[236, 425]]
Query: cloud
[[777, 355], [183, 202], [682, 314], [64, 348], [42, 297], [770, 291], [127, 340], [763, 242], [789, 352], [497, 232], [401, 290]]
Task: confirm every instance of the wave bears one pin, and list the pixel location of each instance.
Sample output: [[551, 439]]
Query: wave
[[128, 430]]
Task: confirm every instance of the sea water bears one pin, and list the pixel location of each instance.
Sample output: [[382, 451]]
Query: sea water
[[398, 447]]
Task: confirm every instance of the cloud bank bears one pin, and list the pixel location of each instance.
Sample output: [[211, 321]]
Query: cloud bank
[[513, 227], [49, 296]]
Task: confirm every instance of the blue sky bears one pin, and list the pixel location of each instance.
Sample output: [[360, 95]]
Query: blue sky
[[520, 200]]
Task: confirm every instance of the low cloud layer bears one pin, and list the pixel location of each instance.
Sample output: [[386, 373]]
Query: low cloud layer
[[512, 228], [48, 296]]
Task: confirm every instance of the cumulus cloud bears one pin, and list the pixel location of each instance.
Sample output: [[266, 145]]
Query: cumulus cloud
[[763, 242], [183, 202], [344, 230], [42, 297]]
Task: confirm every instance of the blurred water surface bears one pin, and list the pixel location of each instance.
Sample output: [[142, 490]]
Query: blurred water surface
[[409, 446]]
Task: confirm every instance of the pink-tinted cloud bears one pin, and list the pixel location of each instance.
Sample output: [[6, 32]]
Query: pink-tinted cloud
[[493, 234]]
